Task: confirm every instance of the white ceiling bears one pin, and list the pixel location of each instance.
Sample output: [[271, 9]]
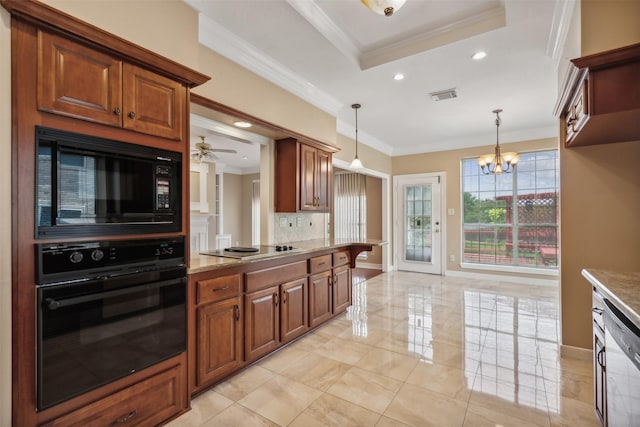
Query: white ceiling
[[334, 53]]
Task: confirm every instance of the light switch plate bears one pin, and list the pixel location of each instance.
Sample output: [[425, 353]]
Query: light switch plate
[[298, 221], [283, 222], [451, 211]]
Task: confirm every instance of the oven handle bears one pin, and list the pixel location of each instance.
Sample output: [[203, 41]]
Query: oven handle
[[54, 304]]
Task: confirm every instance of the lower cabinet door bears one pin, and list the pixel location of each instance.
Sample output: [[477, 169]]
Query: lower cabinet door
[[293, 309], [219, 344], [149, 402], [341, 288], [261, 322], [320, 298]]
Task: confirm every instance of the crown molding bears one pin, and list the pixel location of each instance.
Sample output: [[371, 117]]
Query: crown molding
[[219, 39], [560, 24]]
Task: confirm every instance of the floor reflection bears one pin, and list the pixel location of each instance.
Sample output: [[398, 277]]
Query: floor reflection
[[416, 349]]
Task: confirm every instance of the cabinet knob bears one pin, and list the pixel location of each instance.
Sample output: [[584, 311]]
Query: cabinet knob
[[132, 115], [116, 111], [284, 297], [125, 418], [236, 312]]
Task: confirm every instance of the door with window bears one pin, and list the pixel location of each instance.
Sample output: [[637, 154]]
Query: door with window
[[418, 223]]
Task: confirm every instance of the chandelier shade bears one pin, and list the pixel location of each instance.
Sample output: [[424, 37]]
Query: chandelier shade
[[384, 7], [498, 162]]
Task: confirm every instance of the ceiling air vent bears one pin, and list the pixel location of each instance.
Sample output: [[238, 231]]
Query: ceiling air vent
[[444, 94]]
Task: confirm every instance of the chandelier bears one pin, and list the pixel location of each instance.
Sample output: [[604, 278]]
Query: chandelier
[[356, 163], [498, 162], [384, 7]]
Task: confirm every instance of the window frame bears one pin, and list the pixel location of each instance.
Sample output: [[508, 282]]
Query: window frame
[[508, 268]]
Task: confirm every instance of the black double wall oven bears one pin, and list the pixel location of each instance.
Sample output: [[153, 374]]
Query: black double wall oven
[[105, 308]]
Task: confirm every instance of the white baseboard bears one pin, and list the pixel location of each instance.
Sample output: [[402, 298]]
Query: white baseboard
[[502, 278], [576, 352], [369, 265]]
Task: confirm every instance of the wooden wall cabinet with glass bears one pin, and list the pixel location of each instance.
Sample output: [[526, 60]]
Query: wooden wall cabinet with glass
[[600, 99], [79, 81], [303, 176]]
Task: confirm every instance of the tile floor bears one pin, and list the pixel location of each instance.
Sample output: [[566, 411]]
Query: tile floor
[[416, 350]]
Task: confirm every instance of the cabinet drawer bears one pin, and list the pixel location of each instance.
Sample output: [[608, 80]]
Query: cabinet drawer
[[319, 263], [341, 258], [217, 289], [261, 279], [148, 402]]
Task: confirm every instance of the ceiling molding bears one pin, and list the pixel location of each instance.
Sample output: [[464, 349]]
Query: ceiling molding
[[562, 16], [327, 27], [462, 29], [219, 39], [481, 140]]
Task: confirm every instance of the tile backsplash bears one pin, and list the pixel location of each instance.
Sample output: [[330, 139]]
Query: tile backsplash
[[292, 227]]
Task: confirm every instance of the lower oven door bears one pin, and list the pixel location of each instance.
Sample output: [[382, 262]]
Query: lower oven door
[[95, 332]]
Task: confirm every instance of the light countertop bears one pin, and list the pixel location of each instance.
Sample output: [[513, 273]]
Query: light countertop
[[200, 263], [622, 289]]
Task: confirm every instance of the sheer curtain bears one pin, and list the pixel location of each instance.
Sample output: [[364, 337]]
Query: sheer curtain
[[350, 206]]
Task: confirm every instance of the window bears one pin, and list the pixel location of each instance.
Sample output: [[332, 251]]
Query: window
[[512, 219], [350, 206]]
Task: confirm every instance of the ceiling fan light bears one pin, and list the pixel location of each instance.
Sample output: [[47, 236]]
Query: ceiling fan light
[[384, 7]]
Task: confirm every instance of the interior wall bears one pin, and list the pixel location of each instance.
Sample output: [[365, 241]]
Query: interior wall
[[370, 157], [374, 217], [246, 216], [449, 163], [600, 185], [231, 206], [5, 218]]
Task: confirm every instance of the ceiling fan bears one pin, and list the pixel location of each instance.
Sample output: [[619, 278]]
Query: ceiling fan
[[204, 151]]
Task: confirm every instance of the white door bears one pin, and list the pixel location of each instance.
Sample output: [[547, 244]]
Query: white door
[[418, 223]]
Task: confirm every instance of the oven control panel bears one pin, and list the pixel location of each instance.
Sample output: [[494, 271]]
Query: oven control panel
[[71, 261]]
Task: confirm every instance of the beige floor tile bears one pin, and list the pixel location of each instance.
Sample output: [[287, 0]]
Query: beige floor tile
[[388, 363], [280, 399], [451, 382], [345, 351], [390, 422], [244, 383], [238, 416], [571, 412], [283, 359], [330, 411], [370, 390], [416, 406], [478, 416], [573, 386], [312, 341], [512, 400], [316, 371]]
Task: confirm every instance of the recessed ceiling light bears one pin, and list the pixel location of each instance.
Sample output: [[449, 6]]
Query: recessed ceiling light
[[242, 124], [398, 76], [245, 158], [479, 55]]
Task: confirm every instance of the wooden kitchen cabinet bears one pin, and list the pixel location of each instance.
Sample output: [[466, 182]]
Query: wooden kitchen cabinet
[[320, 298], [304, 177], [262, 323], [78, 81], [293, 309], [218, 328], [600, 99], [341, 288]]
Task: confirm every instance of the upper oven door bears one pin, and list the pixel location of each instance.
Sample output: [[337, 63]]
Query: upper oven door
[[92, 333]]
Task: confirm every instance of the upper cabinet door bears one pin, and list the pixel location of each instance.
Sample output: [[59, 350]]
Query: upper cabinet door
[[76, 81], [324, 183], [153, 104], [308, 164]]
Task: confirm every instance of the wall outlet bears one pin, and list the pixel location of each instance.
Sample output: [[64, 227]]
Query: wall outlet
[[452, 257]]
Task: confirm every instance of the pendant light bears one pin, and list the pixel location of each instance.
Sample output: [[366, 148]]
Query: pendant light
[[356, 163], [384, 7], [498, 162]]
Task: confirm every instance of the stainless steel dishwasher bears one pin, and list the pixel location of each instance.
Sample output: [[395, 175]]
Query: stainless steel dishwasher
[[622, 341]]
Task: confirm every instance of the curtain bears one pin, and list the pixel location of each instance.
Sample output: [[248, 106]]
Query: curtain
[[350, 215]]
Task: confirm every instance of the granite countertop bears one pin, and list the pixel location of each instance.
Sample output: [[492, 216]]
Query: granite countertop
[[200, 263], [622, 289]]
